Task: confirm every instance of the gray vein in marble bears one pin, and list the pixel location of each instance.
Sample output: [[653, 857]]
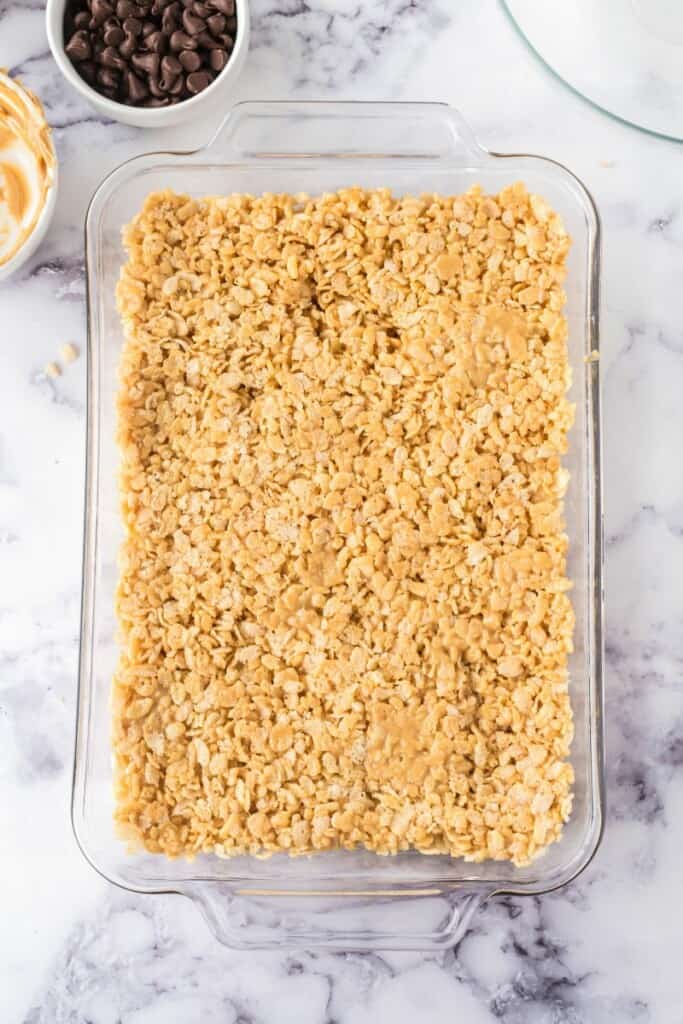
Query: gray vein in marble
[[332, 43], [640, 332], [646, 515], [8, 6], [130, 959], [57, 396], [660, 225], [66, 271]]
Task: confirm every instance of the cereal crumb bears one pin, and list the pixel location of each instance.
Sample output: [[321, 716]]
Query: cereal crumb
[[592, 357], [69, 352], [53, 370], [343, 598]]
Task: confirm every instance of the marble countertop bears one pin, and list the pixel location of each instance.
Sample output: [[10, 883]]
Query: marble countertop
[[606, 949]]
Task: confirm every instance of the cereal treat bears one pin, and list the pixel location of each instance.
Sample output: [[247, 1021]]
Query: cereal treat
[[343, 597]]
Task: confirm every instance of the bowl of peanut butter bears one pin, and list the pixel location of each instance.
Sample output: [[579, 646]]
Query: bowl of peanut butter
[[28, 174]]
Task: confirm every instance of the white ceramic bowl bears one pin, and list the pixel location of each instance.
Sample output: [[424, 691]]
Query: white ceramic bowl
[[36, 236], [43, 222], [144, 117]]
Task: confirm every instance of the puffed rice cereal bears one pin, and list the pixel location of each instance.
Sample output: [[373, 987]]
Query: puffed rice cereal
[[343, 598]]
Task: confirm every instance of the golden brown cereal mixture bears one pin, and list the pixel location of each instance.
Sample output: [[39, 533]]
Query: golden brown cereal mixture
[[343, 598]]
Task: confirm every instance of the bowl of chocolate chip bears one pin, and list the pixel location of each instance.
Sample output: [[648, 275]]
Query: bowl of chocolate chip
[[149, 62]]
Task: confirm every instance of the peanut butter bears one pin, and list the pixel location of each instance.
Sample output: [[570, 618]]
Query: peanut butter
[[27, 165]]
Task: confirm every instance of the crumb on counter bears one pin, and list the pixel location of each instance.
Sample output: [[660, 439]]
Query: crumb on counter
[[69, 352], [343, 596], [53, 370]]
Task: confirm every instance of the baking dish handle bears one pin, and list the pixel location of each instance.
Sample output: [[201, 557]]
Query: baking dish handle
[[272, 130], [260, 919]]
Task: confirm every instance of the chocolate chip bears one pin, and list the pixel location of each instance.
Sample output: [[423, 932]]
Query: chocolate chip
[[147, 63], [82, 19], [111, 58], [78, 48], [190, 60], [177, 87], [226, 41], [114, 35], [231, 26], [205, 39], [147, 29], [156, 41], [87, 70], [155, 87], [132, 26], [157, 101], [193, 24], [166, 82], [108, 77], [182, 41], [170, 18], [202, 10], [198, 81], [101, 10], [216, 24], [128, 47], [171, 66], [218, 59], [137, 90], [224, 6], [124, 9]]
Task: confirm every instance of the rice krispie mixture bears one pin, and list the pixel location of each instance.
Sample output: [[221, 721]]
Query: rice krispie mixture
[[343, 597]]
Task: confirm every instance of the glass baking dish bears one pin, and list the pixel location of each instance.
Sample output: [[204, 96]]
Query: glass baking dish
[[335, 899]]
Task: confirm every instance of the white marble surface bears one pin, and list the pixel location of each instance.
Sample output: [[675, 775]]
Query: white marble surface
[[606, 950]]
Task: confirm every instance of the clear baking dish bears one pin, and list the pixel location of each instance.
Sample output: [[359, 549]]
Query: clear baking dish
[[341, 899]]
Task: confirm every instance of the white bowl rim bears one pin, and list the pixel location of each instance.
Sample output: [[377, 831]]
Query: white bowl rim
[[54, 14], [32, 240]]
